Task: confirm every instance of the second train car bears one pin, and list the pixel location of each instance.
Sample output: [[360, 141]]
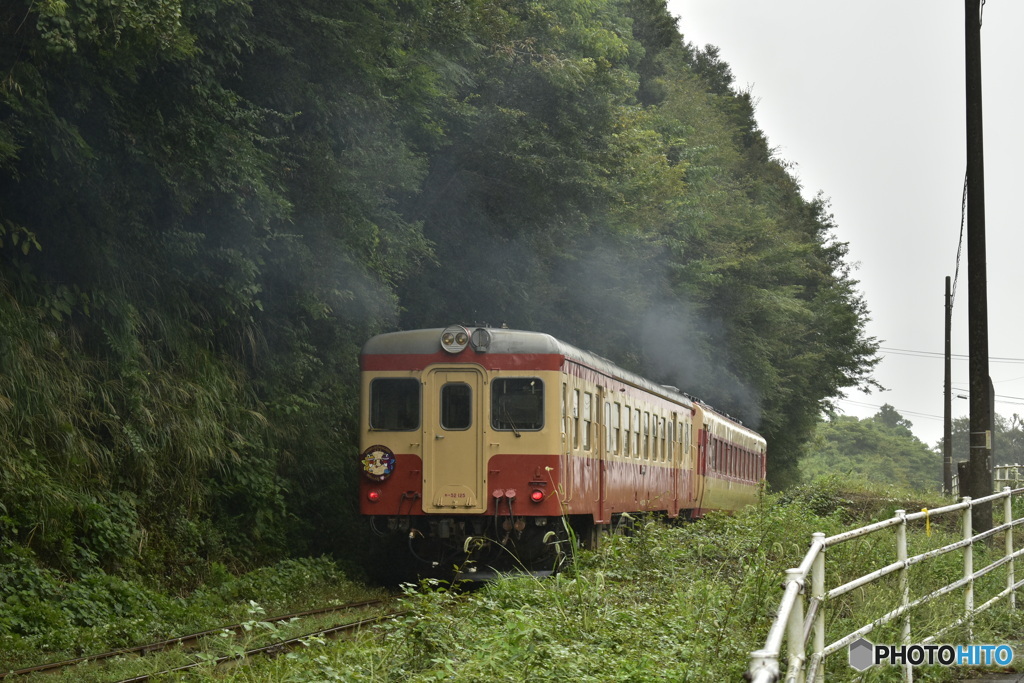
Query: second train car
[[476, 444]]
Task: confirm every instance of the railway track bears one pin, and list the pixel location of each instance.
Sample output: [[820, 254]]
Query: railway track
[[193, 640]]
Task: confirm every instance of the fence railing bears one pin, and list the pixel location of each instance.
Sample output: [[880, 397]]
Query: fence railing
[[1002, 476], [800, 620]]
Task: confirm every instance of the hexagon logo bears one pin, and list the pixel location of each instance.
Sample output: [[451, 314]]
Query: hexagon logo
[[862, 654]]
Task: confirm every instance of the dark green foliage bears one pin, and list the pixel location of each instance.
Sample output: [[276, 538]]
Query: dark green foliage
[[206, 207]]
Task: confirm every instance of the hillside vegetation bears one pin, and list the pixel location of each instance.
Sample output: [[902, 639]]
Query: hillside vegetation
[[207, 206], [877, 449]]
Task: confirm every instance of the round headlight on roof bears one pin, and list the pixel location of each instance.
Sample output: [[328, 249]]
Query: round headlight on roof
[[454, 339]]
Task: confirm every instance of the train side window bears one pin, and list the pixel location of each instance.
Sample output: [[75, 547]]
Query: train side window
[[588, 404], [565, 400], [456, 406], [608, 427], [680, 432], [616, 426], [517, 404], [662, 436], [575, 418], [638, 446], [647, 436], [655, 439], [627, 431], [670, 439], [395, 404]]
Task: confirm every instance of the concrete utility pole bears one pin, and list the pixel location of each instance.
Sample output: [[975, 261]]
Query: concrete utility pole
[[977, 305], [947, 400]]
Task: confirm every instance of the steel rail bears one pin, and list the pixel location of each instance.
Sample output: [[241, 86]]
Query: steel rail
[[273, 649], [182, 640]]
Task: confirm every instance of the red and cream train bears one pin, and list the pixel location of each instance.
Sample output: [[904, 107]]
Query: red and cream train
[[480, 441]]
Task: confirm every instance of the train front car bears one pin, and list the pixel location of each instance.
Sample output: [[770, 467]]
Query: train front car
[[460, 442]]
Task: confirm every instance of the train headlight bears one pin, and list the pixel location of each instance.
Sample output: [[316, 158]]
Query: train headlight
[[536, 495], [454, 339], [373, 495]]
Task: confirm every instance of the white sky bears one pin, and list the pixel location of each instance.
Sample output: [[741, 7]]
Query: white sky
[[867, 100]]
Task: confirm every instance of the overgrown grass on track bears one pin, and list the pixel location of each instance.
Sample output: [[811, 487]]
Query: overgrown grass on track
[[671, 602]]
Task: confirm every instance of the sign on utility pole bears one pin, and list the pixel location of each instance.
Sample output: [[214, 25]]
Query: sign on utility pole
[[981, 420]]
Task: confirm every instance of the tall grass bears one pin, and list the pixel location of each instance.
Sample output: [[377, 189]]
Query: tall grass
[[143, 453], [670, 602]]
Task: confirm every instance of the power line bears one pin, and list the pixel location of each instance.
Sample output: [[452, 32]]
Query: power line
[[909, 413], [960, 246], [936, 354], [1017, 401]]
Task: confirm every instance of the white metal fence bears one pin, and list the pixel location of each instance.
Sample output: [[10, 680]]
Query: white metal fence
[[1002, 475], [800, 620]]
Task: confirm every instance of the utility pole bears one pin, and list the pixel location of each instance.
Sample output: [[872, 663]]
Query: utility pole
[[947, 415], [977, 305]]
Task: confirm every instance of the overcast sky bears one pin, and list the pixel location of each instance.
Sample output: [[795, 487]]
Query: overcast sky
[[867, 100]]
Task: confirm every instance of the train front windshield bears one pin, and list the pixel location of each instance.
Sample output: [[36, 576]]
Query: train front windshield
[[517, 404], [395, 404]]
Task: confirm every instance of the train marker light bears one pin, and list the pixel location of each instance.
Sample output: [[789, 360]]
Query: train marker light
[[536, 495], [373, 495], [454, 339]]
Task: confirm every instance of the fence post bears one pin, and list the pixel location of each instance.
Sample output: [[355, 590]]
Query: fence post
[[901, 556], [795, 627], [818, 593], [968, 528], [1007, 520]]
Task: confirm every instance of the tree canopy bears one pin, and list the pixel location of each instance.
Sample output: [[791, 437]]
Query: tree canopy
[[206, 206], [879, 448]]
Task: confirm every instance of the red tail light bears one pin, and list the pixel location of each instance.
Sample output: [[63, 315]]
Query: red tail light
[[536, 495], [373, 496]]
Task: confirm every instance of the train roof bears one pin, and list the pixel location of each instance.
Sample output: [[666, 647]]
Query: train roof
[[731, 430], [506, 341]]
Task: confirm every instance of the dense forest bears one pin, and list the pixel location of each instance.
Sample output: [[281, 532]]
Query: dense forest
[[207, 206]]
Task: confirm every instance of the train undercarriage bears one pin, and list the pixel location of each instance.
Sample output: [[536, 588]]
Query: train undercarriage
[[478, 547]]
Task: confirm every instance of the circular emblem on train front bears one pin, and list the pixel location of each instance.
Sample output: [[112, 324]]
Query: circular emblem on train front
[[378, 462]]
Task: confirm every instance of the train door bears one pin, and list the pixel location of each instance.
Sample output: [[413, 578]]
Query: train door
[[602, 453], [570, 413], [454, 424], [675, 460]]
